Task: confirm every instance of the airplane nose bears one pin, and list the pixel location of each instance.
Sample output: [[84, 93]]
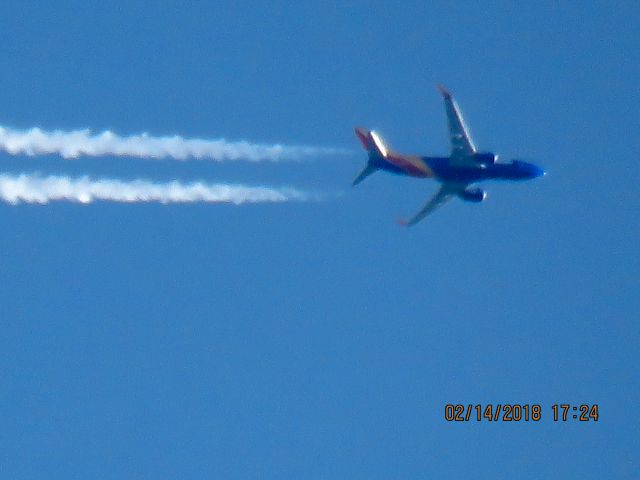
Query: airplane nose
[[537, 171], [530, 170]]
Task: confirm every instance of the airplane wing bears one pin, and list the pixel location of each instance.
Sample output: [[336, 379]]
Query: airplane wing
[[462, 146], [440, 198]]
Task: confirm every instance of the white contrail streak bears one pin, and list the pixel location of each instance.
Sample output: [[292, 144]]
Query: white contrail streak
[[31, 188], [76, 143]]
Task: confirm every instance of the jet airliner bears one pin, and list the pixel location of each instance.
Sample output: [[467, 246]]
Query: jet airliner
[[457, 173]]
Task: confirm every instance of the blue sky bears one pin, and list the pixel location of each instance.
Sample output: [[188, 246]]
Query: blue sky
[[318, 339]]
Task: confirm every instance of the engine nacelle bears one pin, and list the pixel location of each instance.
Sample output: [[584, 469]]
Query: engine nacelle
[[487, 158], [475, 195]]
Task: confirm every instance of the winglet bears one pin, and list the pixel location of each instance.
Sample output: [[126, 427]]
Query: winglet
[[443, 90]]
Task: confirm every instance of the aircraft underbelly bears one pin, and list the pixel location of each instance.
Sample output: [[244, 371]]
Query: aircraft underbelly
[[463, 175], [407, 165], [444, 171]]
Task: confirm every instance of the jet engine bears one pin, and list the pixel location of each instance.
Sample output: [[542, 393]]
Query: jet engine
[[474, 195], [487, 158]]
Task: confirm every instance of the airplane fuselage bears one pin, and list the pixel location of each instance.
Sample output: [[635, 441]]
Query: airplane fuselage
[[444, 169]]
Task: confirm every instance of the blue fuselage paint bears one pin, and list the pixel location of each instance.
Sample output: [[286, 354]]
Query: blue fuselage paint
[[444, 171], [514, 170]]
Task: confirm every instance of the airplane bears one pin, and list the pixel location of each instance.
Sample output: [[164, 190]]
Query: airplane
[[456, 173]]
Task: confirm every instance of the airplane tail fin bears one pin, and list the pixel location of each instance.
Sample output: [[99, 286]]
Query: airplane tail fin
[[376, 149], [372, 142]]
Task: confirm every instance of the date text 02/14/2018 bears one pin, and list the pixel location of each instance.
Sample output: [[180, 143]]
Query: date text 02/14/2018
[[516, 412]]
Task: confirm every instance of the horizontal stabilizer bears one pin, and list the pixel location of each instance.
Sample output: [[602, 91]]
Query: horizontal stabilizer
[[366, 171]]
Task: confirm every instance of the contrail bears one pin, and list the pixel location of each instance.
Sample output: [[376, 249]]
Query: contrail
[[76, 143], [33, 188]]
